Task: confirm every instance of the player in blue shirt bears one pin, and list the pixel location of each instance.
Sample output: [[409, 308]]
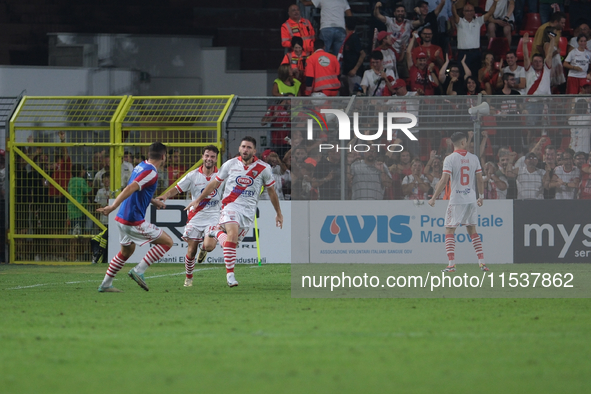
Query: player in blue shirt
[[133, 228]]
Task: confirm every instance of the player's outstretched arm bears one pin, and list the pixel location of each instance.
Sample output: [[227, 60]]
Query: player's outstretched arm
[[439, 188], [169, 194], [377, 14], [128, 191], [275, 201], [211, 186], [157, 203]]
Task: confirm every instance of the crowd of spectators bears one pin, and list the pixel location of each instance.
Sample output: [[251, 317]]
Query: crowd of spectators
[[441, 47], [541, 172], [476, 36]]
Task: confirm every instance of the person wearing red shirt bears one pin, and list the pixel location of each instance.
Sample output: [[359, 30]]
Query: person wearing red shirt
[[423, 78], [280, 118], [433, 52]]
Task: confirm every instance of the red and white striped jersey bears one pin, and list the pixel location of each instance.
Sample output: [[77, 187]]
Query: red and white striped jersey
[[194, 182], [244, 184], [462, 166]]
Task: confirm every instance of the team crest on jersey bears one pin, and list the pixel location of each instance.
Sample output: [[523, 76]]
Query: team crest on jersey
[[323, 61], [254, 173], [212, 194], [244, 181]]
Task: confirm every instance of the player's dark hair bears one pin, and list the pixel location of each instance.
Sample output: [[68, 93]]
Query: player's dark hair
[[512, 52], [105, 175], [212, 148], [557, 16], [537, 55], [157, 151], [376, 55], [506, 76], [427, 28], [550, 147], [457, 136], [318, 44], [454, 65], [249, 139], [295, 40]]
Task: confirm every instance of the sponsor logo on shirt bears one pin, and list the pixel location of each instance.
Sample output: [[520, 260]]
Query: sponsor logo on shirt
[[244, 181], [212, 194]]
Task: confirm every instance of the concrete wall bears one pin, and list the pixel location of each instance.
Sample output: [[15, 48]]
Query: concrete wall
[[217, 80], [61, 81]]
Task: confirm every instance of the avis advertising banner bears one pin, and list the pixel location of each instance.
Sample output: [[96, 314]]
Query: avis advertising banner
[[403, 232], [274, 242], [552, 231]]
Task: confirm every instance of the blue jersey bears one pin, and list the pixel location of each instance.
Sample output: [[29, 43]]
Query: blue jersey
[[133, 210]]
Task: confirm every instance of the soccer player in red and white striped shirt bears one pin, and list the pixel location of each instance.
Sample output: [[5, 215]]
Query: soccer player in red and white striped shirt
[[245, 175], [200, 220], [460, 168]]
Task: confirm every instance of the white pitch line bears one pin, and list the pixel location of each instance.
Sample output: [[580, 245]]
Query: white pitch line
[[179, 273], [87, 281], [27, 287]]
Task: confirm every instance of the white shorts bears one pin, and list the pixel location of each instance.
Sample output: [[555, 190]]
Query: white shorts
[[140, 235], [243, 222], [461, 214], [197, 229]]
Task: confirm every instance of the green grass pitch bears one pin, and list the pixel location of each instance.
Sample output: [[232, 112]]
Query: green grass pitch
[[59, 335]]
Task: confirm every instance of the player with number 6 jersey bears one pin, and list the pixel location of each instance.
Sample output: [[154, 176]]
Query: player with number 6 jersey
[[202, 218], [461, 169], [245, 177]]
